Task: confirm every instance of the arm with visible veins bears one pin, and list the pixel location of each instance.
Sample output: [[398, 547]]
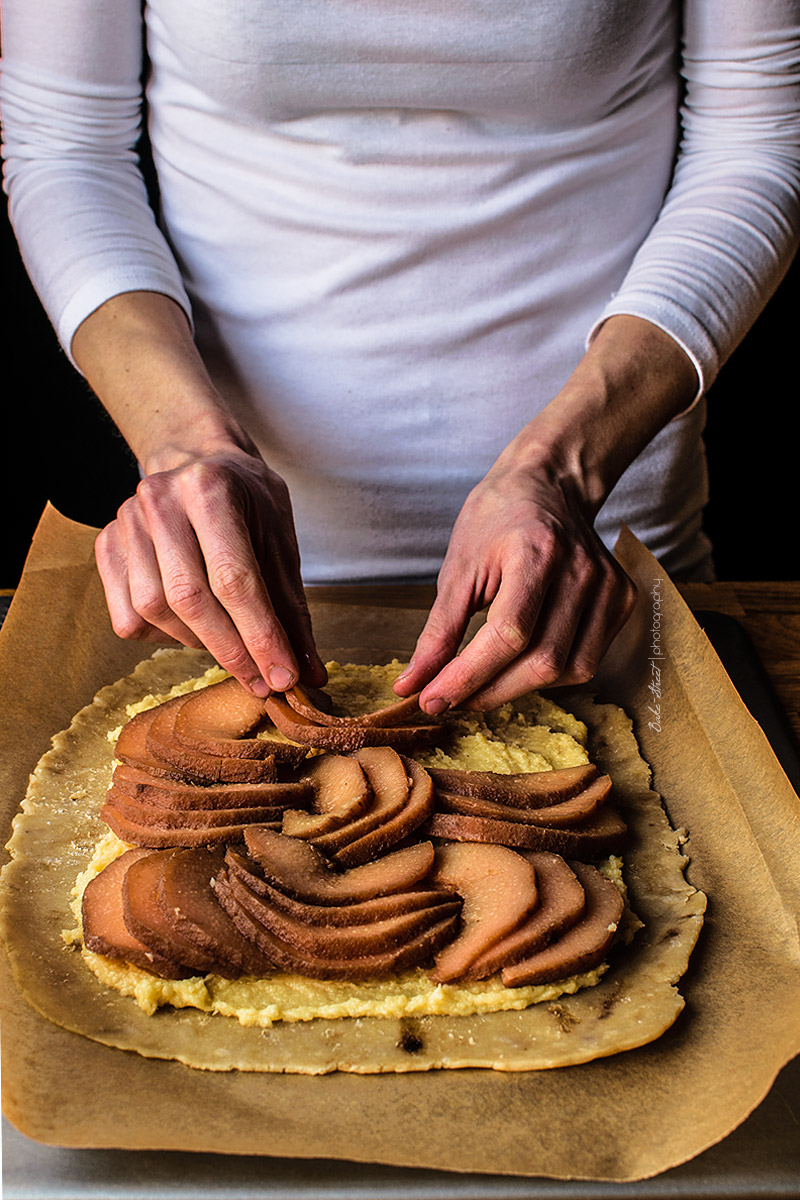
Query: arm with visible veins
[[524, 544], [205, 552]]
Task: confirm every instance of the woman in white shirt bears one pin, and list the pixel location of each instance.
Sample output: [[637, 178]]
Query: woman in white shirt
[[441, 290]]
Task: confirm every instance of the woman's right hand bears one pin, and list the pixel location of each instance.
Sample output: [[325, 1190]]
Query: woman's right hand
[[205, 554]]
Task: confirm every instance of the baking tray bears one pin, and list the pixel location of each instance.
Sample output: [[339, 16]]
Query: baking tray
[[759, 1161]]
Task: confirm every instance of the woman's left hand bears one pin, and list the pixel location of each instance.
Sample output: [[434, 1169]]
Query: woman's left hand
[[556, 598], [524, 543]]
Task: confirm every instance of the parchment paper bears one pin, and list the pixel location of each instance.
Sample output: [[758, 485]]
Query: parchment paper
[[627, 1117]]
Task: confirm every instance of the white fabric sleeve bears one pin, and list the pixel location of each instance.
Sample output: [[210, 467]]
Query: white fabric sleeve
[[729, 225], [71, 102]]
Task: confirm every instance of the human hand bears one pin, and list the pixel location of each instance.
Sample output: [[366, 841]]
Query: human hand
[[524, 545], [524, 542], [205, 555]]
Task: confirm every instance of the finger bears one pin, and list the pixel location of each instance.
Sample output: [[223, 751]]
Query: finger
[[509, 625], [592, 639], [291, 606], [218, 599], [143, 579], [259, 582], [442, 633], [238, 587], [542, 664], [558, 657], [294, 616], [112, 567], [187, 587]]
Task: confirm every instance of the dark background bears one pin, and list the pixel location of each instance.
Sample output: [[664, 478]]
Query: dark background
[[61, 446]]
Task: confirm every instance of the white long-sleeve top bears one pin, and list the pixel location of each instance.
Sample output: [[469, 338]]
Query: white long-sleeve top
[[395, 225]]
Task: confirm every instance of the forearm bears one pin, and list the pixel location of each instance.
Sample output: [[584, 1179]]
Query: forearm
[[729, 224], [632, 381], [138, 355], [71, 107], [205, 552], [524, 544]]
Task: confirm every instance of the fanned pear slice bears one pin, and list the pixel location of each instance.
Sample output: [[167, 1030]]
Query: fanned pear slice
[[133, 750], [159, 838], [533, 789], [329, 941], [565, 812], [394, 714], [582, 947], [147, 921], [499, 890], [562, 901], [346, 738], [197, 765], [186, 896], [602, 833], [394, 829], [299, 869], [387, 775], [342, 793], [159, 817], [214, 720], [363, 912], [238, 899], [103, 920], [177, 793]]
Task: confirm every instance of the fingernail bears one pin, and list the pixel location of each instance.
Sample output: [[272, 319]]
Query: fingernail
[[260, 687], [280, 679], [405, 671], [436, 706], [319, 665]]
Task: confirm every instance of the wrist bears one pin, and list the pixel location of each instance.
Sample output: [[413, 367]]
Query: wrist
[[138, 355], [631, 382], [202, 439]]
